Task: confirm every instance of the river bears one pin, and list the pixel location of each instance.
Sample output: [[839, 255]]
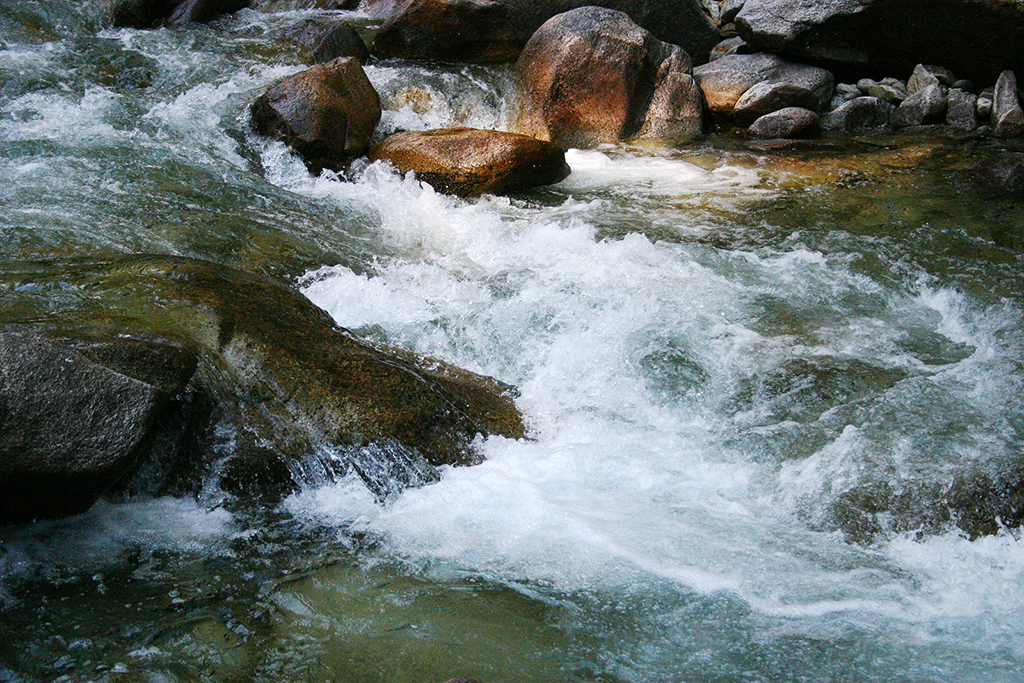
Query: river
[[745, 372]]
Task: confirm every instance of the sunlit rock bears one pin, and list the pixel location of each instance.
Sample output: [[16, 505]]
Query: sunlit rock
[[470, 162], [327, 113], [496, 30], [154, 13], [279, 394], [592, 76]]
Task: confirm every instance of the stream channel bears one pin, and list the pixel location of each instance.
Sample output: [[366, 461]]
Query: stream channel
[[746, 372]]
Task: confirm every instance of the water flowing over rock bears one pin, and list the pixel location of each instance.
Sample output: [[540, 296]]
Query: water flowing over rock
[[726, 81], [279, 393], [327, 113], [154, 13], [469, 162], [976, 39], [592, 76], [497, 30]]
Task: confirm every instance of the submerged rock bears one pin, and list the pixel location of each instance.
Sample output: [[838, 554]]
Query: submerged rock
[[497, 30], [155, 13], [327, 113], [279, 392], [592, 76], [469, 162]]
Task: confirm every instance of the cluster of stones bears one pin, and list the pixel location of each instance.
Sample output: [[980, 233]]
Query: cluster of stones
[[774, 98]]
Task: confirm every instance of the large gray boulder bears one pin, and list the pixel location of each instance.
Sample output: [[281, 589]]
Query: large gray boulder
[[976, 39], [470, 162], [71, 427], [780, 84], [327, 113], [591, 76], [496, 30]]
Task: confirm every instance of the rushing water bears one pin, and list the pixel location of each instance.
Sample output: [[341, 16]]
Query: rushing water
[[719, 349]]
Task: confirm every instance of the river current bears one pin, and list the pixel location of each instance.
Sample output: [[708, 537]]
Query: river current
[[722, 351]]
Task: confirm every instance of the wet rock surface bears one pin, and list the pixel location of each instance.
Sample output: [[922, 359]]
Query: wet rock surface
[[327, 113], [470, 162], [278, 392]]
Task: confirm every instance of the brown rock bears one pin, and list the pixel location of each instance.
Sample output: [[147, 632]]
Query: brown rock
[[322, 41], [470, 162], [326, 113], [592, 76]]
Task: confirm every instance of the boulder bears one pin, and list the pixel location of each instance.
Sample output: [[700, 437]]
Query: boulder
[[325, 40], [922, 107], [486, 31], [729, 46], [891, 90], [470, 162], [860, 115], [279, 394], [155, 13], [925, 75], [961, 110], [326, 113], [725, 81], [591, 76], [764, 98], [1007, 115], [975, 38], [791, 122], [69, 427]]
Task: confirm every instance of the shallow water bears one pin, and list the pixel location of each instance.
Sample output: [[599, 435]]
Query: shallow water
[[746, 372]]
